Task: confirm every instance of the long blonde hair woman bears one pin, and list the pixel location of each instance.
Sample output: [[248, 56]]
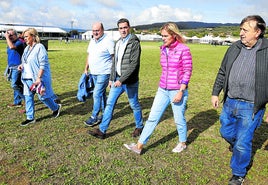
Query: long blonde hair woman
[[176, 63], [173, 30]]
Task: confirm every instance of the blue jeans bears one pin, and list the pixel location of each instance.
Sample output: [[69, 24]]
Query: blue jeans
[[29, 101], [161, 101], [16, 84], [237, 128], [99, 93], [115, 92]]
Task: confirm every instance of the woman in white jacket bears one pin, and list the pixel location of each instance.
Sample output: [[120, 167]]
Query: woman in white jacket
[[36, 76]]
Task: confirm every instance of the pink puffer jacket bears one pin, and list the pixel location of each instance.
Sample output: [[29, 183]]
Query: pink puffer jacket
[[176, 66]]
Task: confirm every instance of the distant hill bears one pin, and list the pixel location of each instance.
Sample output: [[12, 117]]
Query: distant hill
[[183, 25]]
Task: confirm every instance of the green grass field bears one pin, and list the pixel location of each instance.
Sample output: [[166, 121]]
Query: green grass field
[[59, 151]]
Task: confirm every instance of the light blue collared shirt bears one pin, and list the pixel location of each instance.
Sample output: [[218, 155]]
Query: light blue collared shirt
[[120, 49], [100, 55]]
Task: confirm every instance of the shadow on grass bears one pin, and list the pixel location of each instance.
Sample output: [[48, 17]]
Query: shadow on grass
[[73, 106], [260, 137], [201, 122], [125, 109], [120, 130], [198, 124], [70, 104]]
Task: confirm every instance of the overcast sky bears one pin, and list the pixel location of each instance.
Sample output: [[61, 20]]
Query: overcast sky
[[82, 13]]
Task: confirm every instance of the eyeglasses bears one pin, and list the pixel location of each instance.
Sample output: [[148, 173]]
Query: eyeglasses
[[95, 30], [9, 33]]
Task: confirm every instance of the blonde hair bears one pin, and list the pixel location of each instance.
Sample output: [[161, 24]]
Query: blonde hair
[[33, 32], [173, 30]]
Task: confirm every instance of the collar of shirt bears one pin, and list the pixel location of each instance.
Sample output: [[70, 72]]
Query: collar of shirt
[[96, 41], [123, 40]]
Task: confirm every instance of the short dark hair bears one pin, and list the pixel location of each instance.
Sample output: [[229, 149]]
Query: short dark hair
[[260, 23], [102, 27], [122, 20]]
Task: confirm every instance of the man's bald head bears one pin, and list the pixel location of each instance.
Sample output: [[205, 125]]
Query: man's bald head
[[97, 30]]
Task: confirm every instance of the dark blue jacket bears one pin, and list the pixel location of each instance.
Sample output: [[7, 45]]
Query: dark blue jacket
[[14, 55], [85, 87]]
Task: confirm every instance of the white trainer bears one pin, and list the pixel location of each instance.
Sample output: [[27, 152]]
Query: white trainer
[[179, 148]]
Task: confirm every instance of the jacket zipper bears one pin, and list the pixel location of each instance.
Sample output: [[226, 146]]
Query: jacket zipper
[[166, 66]]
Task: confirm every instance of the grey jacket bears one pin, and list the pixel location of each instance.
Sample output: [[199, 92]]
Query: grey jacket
[[261, 75], [130, 65]]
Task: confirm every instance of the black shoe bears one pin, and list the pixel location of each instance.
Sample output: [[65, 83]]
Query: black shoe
[[27, 122], [57, 112], [137, 132], [57, 101], [230, 148], [97, 133], [236, 180]]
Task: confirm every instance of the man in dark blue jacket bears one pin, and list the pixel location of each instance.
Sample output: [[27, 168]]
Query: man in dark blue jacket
[[14, 52]]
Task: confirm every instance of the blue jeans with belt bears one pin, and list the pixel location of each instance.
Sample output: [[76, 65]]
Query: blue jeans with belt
[[238, 124], [16, 84], [115, 92]]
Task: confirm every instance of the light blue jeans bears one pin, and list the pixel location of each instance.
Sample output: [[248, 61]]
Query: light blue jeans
[[29, 101], [115, 92], [161, 101], [237, 128], [16, 84], [99, 93]]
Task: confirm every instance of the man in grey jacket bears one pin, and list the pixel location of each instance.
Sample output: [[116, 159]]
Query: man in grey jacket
[[243, 77], [124, 78]]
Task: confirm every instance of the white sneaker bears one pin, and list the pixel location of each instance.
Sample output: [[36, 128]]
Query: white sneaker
[[133, 147], [179, 148]]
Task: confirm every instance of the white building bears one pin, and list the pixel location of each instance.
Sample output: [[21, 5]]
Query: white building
[[113, 34], [42, 30]]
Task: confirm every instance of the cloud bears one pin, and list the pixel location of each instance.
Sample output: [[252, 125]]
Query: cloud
[[108, 3], [78, 2], [164, 13], [11, 15], [5, 5], [249, 8], [107, 16], [60, 13]]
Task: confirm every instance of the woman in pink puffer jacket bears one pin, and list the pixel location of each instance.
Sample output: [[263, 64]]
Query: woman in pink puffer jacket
[[176, 63]]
